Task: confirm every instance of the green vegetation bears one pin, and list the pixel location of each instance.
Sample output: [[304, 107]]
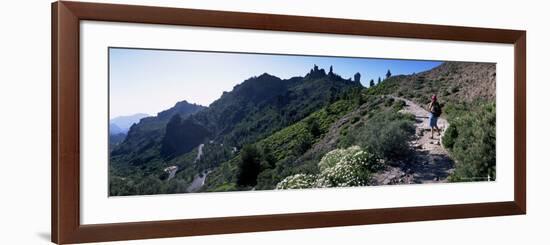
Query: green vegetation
[[123, 178], [381, 131], [385, 133], [253, 111], [471, 140], [297, 138], [305, 132], [249, 166], [281, 149], [467, 95]]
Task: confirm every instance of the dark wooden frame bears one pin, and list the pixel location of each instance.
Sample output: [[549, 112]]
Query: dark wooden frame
[[65, 181]]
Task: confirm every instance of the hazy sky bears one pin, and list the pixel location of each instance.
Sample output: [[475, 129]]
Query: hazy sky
[[149, 81]]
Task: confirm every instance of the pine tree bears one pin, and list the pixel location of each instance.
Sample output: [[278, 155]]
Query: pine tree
[[379, 80], [388, 74], [371, 83], [249, 166]]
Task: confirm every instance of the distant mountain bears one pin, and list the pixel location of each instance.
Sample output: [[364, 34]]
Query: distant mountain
[[115, 129], [149, 131], [181, 108], [122, 124]]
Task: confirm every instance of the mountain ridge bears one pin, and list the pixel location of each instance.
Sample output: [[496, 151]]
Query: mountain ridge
[[290, 123], [254, 109], [149, 130]]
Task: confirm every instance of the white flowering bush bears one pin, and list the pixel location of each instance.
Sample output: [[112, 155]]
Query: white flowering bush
[[333, 157], [341, 175], [339, 168], [352, 169], [297, 181]]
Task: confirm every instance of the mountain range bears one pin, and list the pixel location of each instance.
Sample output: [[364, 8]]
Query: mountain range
[[286, 124], [122, 124]]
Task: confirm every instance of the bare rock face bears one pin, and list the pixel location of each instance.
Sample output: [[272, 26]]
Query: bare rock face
[[357, 77]]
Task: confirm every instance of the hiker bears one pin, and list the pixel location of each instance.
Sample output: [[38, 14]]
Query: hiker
[[435, 111]]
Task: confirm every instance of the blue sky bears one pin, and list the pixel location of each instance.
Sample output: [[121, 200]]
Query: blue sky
[[149, 81]]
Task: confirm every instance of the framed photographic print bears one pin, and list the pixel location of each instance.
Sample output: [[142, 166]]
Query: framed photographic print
[[177, 122]]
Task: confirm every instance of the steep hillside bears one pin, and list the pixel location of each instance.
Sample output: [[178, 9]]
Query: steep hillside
[[279, 151], [313, 131], [253, 110], [372, 122], [262, 105], [455, 82], [467, 92]]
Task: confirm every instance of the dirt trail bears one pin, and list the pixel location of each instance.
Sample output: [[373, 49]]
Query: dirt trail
[[430, 163]]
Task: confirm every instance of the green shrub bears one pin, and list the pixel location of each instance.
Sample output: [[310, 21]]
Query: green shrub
[[386, 134], [450, 136], [313, 127], [399, 104], [302, 145], [392, 141], [471, 141]]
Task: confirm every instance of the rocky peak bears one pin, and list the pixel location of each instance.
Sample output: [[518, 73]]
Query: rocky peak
[[316, 73]]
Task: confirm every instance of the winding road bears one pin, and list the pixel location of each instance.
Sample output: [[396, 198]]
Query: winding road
[[171, 171], [198, 182], [199, 152], [200, 178]]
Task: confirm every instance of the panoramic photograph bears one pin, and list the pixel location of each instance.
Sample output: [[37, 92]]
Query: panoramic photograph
[[202, 121]]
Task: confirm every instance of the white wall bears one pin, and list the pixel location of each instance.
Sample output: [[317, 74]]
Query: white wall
[[25, 121]]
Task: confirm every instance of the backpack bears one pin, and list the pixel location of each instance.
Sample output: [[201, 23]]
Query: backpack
[[436, 110]]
